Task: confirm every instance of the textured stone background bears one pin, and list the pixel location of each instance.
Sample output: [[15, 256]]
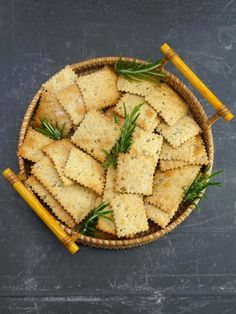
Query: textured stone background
[[193, 269]]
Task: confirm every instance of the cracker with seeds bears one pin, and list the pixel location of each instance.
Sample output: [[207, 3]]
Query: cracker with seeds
[[141, 88], [61, 80], [48, 199], [135, 174], [31, 148], [77, 200], [183, 152], [53, 112], [95, 134], [71, 100], [177, 134], [167, 103], [99, 88], [58, 152], [169, 187], [148, 118], [146, 143], [85, 170], [158, 216], [129, 215], [105, 225]]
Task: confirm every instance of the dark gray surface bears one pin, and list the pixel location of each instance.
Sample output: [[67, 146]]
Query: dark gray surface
[[193, 269]]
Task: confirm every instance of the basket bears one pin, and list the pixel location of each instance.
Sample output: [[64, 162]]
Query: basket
[[200, 116]]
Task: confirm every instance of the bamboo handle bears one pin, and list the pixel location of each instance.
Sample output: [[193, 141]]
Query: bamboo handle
[[42, 213], [221, 109]]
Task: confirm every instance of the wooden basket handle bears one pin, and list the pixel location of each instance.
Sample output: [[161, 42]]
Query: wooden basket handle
[[220, 108], [42, 213]]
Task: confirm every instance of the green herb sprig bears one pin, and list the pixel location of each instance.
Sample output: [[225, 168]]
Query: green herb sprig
[[196, 189], [88, 227], [49, 130], [134, 71], [126, 139]]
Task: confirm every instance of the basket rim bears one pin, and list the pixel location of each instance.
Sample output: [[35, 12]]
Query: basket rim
[[134, 242]]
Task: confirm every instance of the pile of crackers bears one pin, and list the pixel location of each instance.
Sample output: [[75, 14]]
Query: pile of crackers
[[149, 182]]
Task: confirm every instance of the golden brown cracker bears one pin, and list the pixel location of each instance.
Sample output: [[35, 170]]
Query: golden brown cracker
[[167, 103], [141, 88], [169, 187], [172, 164], [183, 152], [129, 215], [135, 174], [48, 199], [104, 224], [32, 145], [177, 134], [85, 170], [158, 216], [99, 88], [75, 199], [71, 100], [95, 134]]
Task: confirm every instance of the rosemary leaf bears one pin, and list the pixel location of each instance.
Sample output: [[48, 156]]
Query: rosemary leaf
[[134, 71], [88, 227], [126, 139], [196, 189], [49, 130]]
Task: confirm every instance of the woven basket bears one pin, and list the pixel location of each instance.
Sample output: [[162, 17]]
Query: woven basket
[[154, 232]]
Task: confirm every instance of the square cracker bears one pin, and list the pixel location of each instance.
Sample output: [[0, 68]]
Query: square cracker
[[110, 185], [85, 170], [183, 152], [158, 216], [146, 143], [129, 215], [141, 88], [95, 134], [77, 200], [71, 100], [31, 148], [167, 103], [135, 174], [58, 152], [64, 78], [104, 224], [169, 187], [172, 164], [48, 199], [148, 118], [99, 88], [177, 134], [53, 112]]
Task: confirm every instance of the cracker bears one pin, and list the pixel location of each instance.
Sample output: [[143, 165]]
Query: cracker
[[48, 199], [95, 134], [183, 152], [104, 224], [169, 187], [58, 152], [99, 88], [129, 215], [75, 199], [53, 112], [177, 134], [148, 118], [135, 174], [167, 103], [113, 117], [31, 148], [109, 189], [85, 170], [64, 78], [158, 216], [141, 88], [172, 164], [146, 143]]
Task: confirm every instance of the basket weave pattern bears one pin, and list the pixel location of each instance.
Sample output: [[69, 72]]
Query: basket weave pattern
[[154, 232]]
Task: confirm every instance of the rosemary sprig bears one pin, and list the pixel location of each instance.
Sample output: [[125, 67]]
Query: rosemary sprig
[[89, 225], [48, 130], [196, 189], [126, 139], [134, 71]]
